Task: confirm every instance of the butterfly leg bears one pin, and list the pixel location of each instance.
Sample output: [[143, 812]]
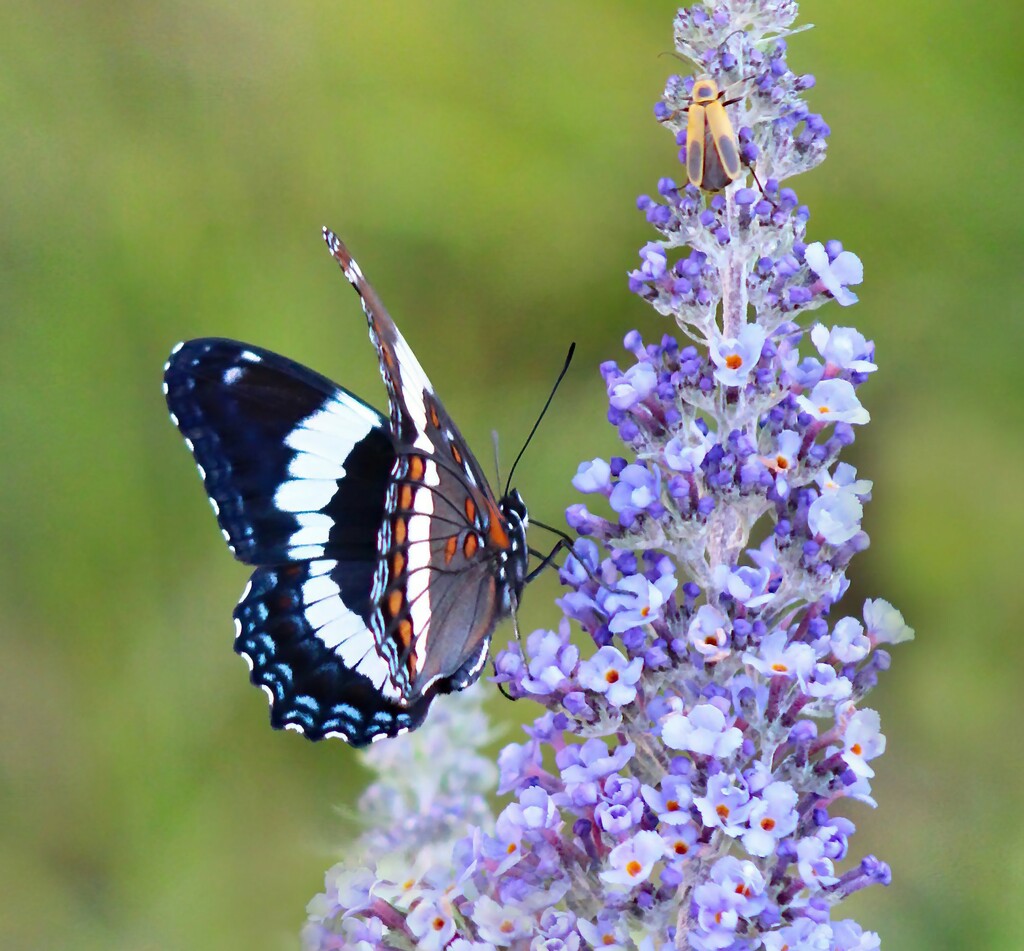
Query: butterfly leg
[[546, 560], [564, 543]]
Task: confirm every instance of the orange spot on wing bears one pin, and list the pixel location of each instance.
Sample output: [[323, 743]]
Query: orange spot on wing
[[433, 416], [405, 632], [395, 603], [496, 527], [470, 509], [398, 561], [456, 455], [449, 548], [405, 497], [416, 468], [400, 531], [470, 545]]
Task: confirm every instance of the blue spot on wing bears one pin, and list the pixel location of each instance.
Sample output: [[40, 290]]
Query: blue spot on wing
[[312, 690]]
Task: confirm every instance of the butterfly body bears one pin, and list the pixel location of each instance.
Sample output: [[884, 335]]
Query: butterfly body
[[383, 560]]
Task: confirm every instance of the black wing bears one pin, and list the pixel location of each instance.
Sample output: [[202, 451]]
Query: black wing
[[295, 466], [321, 668]]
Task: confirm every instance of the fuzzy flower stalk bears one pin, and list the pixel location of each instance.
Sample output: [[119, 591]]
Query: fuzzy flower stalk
[[703, 698]]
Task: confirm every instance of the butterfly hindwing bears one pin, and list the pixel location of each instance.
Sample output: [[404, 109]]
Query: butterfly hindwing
[[318, 663]]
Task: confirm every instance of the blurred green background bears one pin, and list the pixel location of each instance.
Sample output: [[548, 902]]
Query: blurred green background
[[166, 168]]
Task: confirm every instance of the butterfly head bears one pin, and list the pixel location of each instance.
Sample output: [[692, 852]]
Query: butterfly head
[[515, 560]]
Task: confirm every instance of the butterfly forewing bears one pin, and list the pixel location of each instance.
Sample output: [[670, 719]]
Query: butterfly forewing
[[441, 504], [293, 464]]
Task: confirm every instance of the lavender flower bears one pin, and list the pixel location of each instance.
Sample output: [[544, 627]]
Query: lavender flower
[[677, 789]]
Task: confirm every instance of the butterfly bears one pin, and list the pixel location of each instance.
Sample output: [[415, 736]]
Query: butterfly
[[383, 559]]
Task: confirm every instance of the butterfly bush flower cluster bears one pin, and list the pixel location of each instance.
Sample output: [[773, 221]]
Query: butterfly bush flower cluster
[[702, 700]]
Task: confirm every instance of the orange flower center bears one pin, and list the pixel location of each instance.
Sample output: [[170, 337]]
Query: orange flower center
[[633, 868], [612, 676], [734, 361]]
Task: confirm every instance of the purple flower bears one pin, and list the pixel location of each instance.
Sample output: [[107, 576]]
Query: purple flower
[[843, 348], [607, 932], [680, 841], [501, 925], [552, 660], [686, 453], [609, 672], [835, 275], [863, 741], [825, 684], [655, 261], [703, 730], [734, 892], [535, 811], [835, 516], [593, 476], [749, 586], [726, 804], [638, 382], [617, 818], [637, 490], [431, 923], [834, 401], [850, 644], [777, 657], [593, 761], [849, 936], [844, 480], [813, 864], [803, 935], [670, 801], [735, 357], [632, 862], [637, 601], [709, 633], [772, 817]]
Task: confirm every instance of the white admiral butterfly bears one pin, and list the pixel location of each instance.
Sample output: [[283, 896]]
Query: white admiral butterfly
[[383, 560]]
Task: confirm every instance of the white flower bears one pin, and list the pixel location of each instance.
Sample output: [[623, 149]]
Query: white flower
[[835, 275], [834, 401], [885, 623]]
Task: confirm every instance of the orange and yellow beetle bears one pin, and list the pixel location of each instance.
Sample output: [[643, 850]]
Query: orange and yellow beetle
[[712, 150]]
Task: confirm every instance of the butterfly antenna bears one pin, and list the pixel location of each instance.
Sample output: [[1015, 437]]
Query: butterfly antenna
[[554, 389], [497, 461]]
